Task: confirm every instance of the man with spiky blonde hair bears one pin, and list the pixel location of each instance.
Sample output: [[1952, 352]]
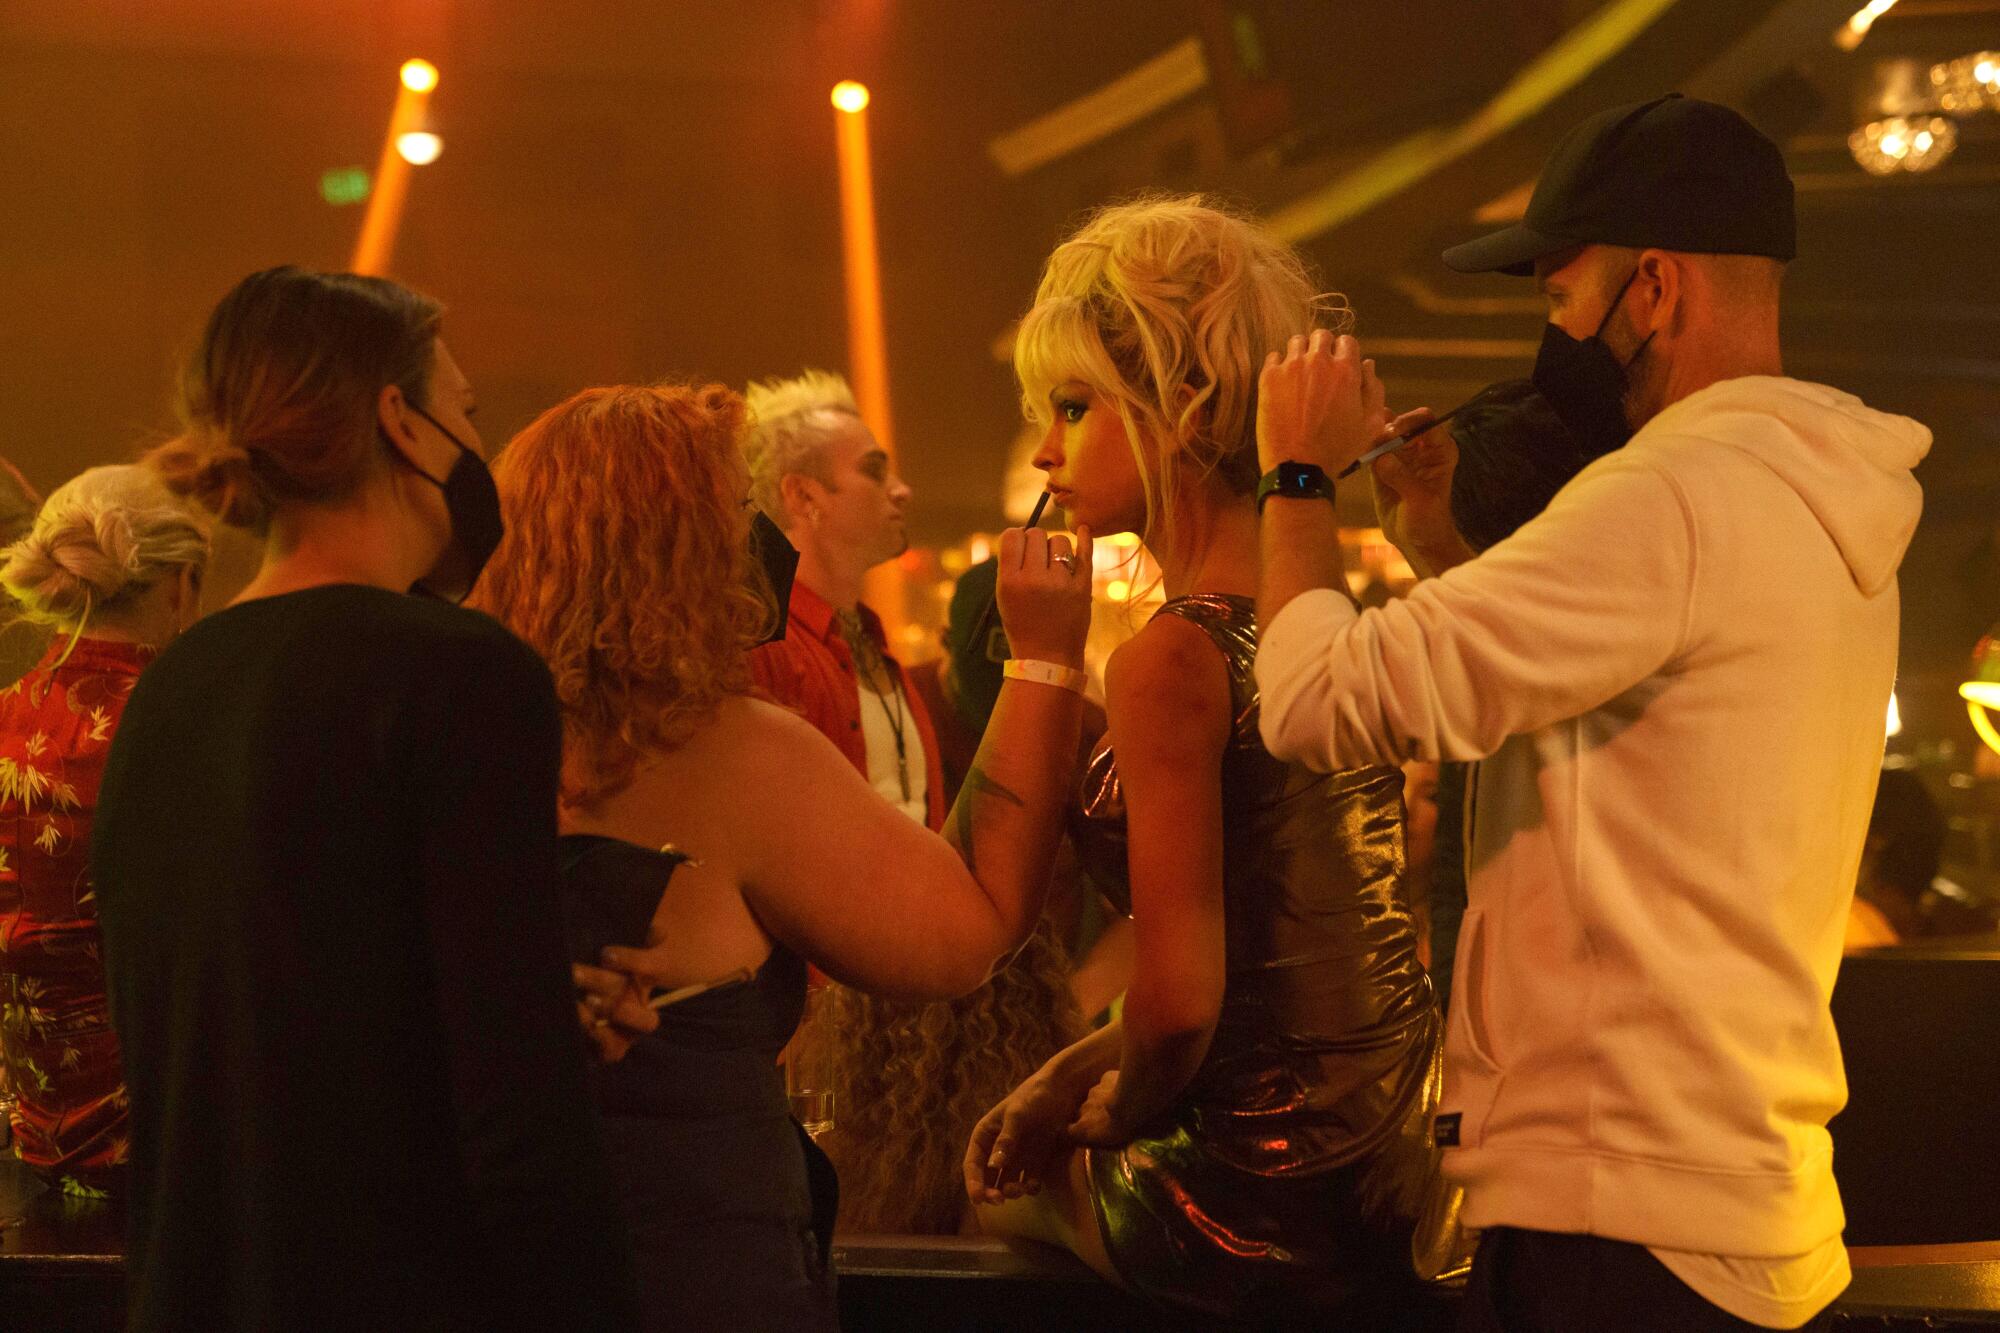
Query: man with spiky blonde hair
[[820, 474]]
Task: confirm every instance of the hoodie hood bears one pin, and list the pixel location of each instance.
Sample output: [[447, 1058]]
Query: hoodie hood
[[1850, 463]]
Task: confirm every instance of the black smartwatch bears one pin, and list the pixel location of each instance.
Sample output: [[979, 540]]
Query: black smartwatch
[[1295, 481]]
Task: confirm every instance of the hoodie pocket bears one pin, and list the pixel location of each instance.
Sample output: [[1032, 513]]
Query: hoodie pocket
[[1471, 990], [1473, 1074]]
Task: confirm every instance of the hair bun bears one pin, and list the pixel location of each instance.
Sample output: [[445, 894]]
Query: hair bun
[[215, 472], [62, 568], [109, 532]]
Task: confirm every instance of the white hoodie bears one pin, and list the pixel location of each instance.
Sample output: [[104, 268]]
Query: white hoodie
[[1680, 672]]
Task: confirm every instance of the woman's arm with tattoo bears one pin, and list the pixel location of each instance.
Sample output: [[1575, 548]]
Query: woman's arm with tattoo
[[845, 879]]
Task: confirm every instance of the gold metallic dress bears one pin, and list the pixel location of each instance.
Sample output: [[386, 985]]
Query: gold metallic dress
[[1295, 1173]]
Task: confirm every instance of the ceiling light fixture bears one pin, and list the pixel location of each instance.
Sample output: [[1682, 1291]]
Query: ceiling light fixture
[[1968, 84], [1903, 143], [420, 76], [1849, 34], [419, 147]]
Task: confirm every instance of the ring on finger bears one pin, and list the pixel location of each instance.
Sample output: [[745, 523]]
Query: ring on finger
[[1066, 561]]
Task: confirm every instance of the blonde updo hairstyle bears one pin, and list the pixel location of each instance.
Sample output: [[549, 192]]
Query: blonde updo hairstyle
[[1166, 306], [100, 542], [278, 404]]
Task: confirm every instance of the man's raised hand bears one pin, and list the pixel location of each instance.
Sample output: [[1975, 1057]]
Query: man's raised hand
[[1318, 402]]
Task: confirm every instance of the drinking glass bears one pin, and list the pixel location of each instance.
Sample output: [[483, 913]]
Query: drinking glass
[[809, 1067]]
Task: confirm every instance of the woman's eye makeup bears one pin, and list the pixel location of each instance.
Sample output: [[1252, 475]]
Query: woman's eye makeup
[[1071, 410]]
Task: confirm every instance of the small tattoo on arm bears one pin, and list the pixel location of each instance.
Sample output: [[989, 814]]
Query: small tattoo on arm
[[977, 785]]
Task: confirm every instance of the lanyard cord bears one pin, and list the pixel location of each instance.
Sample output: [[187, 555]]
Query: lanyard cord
[[866, 657]]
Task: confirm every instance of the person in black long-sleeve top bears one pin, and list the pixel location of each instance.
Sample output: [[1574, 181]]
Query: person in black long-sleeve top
[[326, 867]]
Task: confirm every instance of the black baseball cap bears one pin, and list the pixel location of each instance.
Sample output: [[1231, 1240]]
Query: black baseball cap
[[1675, 173]]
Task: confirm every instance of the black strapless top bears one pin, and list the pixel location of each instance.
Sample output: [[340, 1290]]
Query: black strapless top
[[730, 1205], [713, 1055]]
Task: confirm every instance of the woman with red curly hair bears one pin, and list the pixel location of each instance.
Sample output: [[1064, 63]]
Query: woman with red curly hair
[[626, 566]]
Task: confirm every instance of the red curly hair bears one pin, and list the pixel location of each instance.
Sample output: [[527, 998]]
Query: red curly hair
[[626, 565]]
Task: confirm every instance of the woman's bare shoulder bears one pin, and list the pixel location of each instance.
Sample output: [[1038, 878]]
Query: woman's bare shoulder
[[1170, 663], [763, 729], [1167, 689], [747, 747], [766, 746]]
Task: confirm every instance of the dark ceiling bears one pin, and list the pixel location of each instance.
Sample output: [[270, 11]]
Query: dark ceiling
[[628, 190]]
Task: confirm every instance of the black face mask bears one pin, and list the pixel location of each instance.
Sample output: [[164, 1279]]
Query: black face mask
[[1584, 382], [770, 548], [473, 504]]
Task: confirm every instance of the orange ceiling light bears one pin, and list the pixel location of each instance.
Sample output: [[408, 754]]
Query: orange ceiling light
[[1849, 34], [411, 141], [867, 346], [419, 76], [419, 147]]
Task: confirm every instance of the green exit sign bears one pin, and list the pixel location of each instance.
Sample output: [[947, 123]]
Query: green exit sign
[[344, 185]]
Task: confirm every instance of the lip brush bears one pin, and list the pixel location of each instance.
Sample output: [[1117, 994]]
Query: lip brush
[[986, 616]]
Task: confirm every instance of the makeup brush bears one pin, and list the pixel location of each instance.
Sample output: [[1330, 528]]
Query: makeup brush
[[1393, 445]]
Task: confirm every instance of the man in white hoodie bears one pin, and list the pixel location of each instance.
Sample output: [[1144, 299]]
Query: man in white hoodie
[[1676, 677]]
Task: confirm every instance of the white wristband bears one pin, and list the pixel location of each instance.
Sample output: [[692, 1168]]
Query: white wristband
[[1045, 673]]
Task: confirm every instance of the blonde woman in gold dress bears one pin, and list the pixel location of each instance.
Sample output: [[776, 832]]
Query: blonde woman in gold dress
[[1250, 1139]]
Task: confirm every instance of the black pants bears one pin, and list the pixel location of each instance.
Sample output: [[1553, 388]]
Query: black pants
[[1546, 1282]]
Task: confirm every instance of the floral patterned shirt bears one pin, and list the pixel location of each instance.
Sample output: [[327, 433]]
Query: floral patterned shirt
[[56, 725]]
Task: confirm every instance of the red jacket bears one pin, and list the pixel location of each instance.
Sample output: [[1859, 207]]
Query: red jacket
[[56, 725], [812, 671]]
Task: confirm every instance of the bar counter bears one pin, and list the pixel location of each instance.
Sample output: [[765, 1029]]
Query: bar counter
[[62, 1269]]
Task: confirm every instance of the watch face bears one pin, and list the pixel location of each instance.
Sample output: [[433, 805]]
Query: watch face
[[1301, 479], [1295, 481]]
